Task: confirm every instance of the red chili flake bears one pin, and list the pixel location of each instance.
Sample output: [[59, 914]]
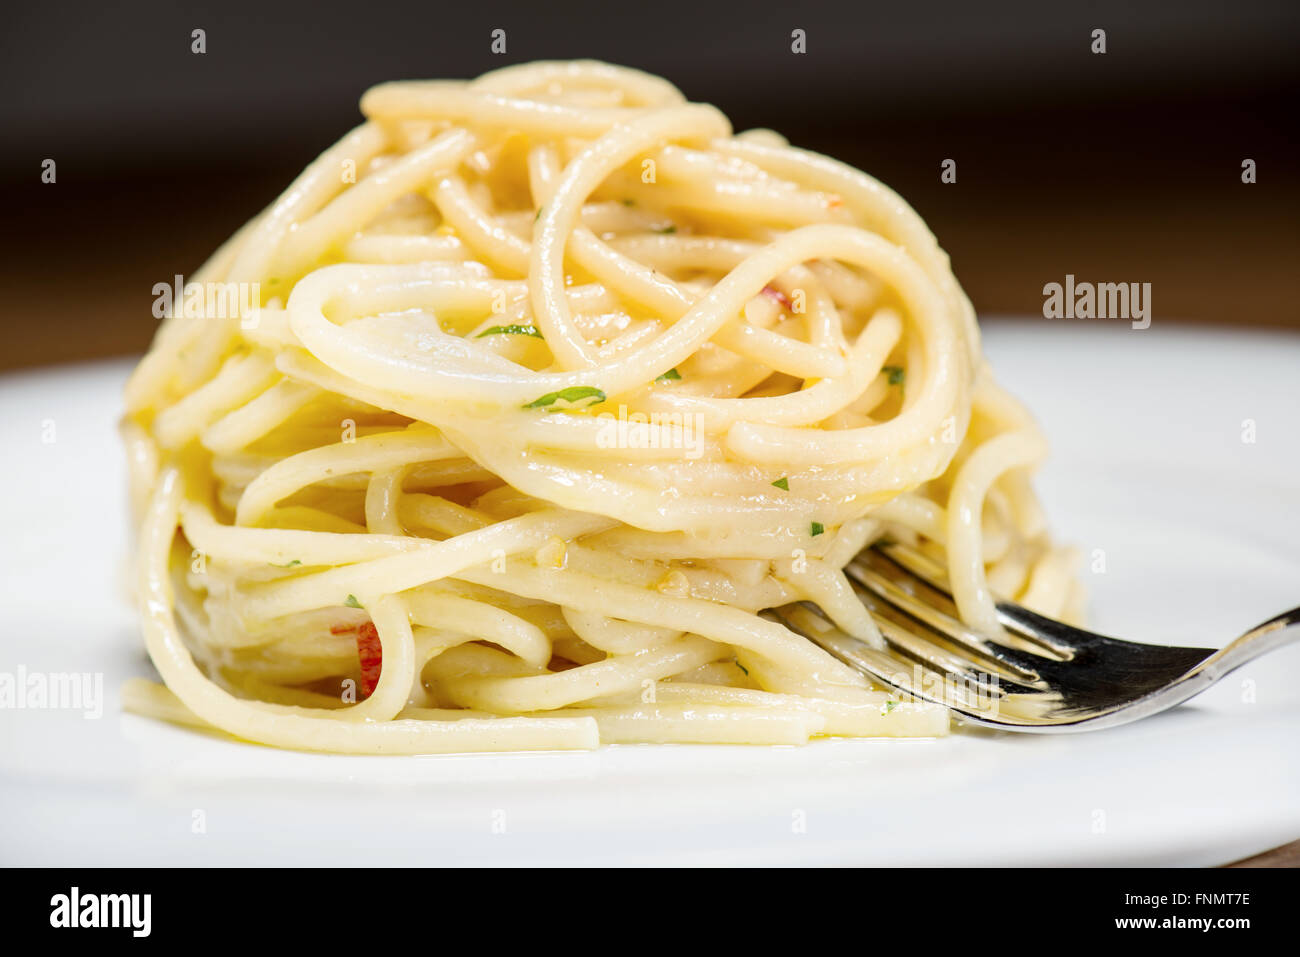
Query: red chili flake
[[777, 296], [834, 201], [372, 657]]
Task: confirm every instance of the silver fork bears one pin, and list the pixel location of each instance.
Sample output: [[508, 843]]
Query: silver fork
[[1042, 676]]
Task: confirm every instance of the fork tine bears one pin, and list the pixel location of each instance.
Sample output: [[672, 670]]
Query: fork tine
[[883, 583], [1129, 668], [1060, 640], [971, 693], [929, 641], [917, 647], [1043, 675], [809, 622], [906, 645], [1030, 630]]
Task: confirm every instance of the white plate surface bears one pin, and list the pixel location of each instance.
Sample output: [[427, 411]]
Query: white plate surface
[[1200, 533]]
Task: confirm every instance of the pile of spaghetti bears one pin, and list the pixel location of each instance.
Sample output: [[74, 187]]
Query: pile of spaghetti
[[547, 385]]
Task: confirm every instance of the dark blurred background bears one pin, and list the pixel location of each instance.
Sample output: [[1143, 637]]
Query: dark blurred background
[[1117, 167]]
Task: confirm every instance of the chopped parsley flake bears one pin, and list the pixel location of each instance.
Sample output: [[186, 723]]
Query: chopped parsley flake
[[896, 374], [817, 528], [511, 331], [352, 602], [783, 483], [670, 376], [741, 667], [571, 395], [291, 564], [888, 707]]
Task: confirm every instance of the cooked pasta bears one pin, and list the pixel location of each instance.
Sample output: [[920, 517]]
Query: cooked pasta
[[499, 428]]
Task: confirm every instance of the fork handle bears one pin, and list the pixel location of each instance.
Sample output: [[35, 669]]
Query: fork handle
[[1260, 640]]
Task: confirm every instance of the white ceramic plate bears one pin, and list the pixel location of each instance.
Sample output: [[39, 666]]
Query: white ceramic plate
[[1200, 532]]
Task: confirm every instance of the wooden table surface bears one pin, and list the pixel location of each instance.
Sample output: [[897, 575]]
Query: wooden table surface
[[1288, 855]]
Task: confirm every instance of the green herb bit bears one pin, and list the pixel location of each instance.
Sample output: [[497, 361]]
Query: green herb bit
[[352, 602], [888, 707], [741, 667], [817, 528], [896, 374], [783, 483], [292, 564], [672, 375], [511, 331], [666, 231], [571, 395]]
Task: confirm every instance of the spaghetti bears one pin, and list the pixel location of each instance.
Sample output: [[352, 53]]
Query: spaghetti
[[553, 383]]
